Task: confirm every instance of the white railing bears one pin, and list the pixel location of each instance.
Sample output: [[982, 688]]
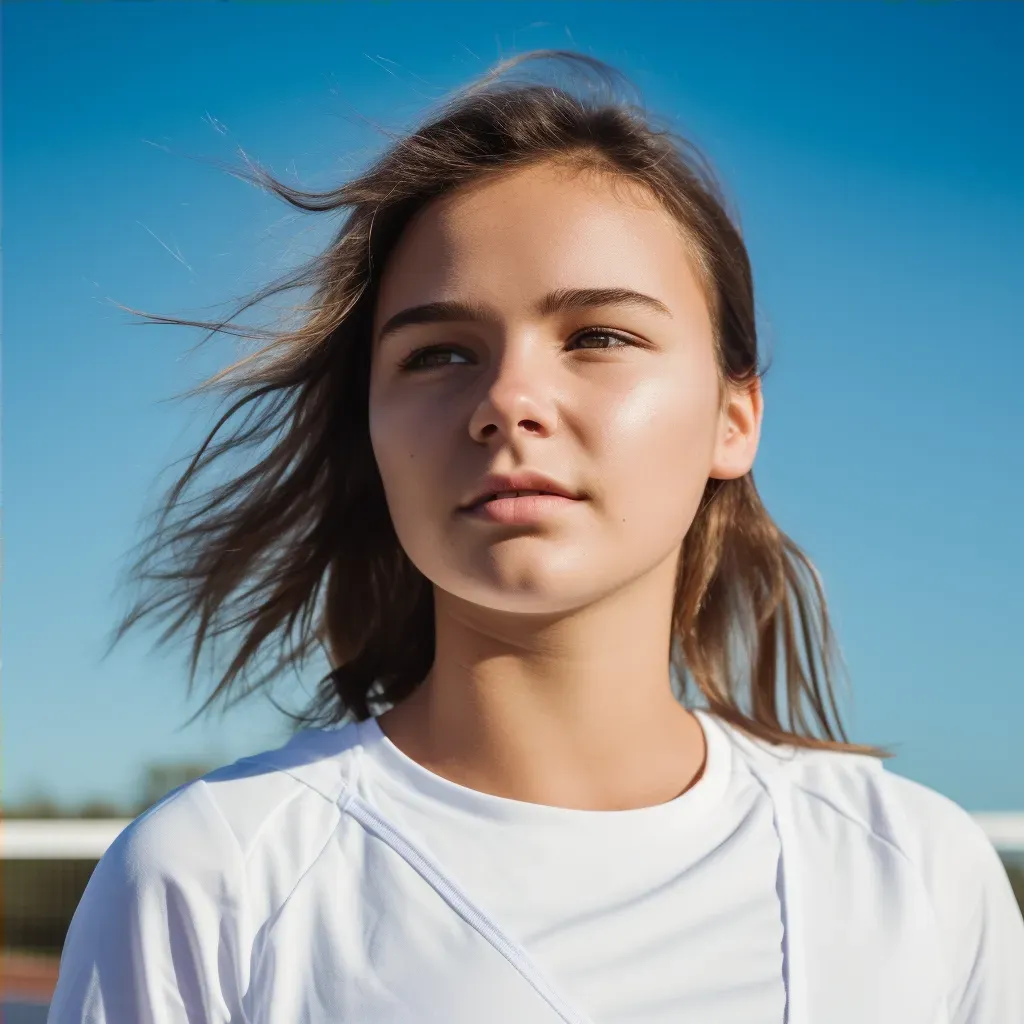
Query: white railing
[[83, 839], [59, 838], [1005, 830]]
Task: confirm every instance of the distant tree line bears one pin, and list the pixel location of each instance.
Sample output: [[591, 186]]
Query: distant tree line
[[157, 781]]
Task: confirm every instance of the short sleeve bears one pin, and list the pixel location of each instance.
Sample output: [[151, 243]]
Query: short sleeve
[[155, 938], [980, 923]]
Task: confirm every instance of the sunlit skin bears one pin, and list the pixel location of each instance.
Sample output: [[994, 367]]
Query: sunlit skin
[[551, 680]]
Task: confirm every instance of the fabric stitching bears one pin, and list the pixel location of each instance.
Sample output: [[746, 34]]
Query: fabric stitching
[[468, 910], [263, 936], [243, 884]]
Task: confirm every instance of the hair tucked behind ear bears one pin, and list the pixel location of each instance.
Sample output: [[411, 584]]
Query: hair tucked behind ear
[[296, 553]]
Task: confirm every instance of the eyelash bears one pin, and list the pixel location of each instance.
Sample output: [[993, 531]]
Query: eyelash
[[407, 364]]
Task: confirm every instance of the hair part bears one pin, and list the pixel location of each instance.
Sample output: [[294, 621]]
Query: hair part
[[297, 553]]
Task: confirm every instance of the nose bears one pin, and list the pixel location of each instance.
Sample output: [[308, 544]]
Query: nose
[[519, 399]]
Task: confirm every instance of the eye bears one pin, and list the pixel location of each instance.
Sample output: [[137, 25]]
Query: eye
[[429, 358], [598, 333]]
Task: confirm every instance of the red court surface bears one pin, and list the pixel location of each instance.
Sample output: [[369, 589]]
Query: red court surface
[[27, 978]]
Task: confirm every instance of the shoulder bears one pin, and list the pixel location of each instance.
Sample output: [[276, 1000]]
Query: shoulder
[[863, 791], [977, 920], [184, 890], [973, 909], [277, 805], [945, 845], [934, 833]]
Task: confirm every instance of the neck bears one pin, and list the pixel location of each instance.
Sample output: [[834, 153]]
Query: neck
[[572, 710]]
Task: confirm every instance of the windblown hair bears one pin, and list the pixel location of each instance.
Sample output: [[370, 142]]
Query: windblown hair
[[296, 553]]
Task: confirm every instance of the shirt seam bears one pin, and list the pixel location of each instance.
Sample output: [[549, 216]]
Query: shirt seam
[[243, 886], [338, 805], [273, 918], [908, 860], [265, 824], [374, 823]]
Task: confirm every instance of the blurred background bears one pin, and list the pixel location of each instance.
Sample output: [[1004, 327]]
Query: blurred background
[[874, 153]]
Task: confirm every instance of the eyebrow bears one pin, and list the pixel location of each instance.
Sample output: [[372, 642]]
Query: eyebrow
[[561, 300]]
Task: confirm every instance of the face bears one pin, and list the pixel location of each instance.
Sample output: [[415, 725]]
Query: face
[[536, 356]]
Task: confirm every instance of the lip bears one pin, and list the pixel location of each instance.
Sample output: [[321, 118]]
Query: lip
[[530, 508], [526, 480]]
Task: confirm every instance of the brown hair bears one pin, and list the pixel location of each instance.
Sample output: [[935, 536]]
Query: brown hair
[[297, 551]]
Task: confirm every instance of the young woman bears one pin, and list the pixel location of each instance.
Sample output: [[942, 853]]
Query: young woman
[[504, 478]]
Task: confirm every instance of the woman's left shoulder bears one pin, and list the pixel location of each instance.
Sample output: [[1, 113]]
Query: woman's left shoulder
[[946, 848], [917, 819], [854, 814], [974, 911], [925, 826], [929, 821], [896, 810]]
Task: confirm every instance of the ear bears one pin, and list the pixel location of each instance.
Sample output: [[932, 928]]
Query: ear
[[739, 431]]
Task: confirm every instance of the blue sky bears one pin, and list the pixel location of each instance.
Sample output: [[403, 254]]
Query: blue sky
[[874, 153]]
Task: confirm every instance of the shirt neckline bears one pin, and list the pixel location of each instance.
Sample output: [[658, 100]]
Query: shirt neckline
[[410, 775]]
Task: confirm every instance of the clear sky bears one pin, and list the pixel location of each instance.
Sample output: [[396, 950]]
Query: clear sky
[[874, 151]]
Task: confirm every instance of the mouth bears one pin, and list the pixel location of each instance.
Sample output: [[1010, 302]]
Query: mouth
[[520, 486], [511, 495], [525, 508]]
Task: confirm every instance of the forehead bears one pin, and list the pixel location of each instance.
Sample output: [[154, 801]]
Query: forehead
[[513, 237]]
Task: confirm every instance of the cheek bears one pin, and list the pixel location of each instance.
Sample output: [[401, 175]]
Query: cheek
[[656, 446], [408, 449], [395, 455]]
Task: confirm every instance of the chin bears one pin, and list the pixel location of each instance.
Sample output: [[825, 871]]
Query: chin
[[527, 601], [525, 589]]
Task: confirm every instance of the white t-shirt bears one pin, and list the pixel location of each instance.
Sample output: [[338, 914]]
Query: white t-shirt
[[646, 916], [335, 880]]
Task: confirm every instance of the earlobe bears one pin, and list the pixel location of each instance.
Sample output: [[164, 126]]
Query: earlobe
[[739, 432]]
